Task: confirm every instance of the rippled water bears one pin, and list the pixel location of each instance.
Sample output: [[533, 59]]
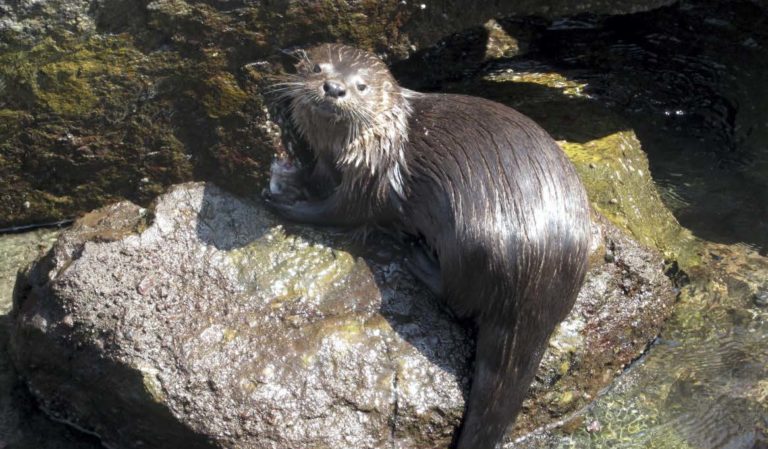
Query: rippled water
[[698, 393], [690, 79], [703, 385]]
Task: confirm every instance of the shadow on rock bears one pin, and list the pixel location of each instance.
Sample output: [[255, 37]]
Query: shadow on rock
[[22, 425]]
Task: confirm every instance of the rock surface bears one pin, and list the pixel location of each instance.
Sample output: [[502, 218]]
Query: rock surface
[[22, 424], [202, 322]]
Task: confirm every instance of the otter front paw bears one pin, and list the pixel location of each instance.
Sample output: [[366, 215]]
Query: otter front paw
[[286, 181], [300, 211], [323, 212]]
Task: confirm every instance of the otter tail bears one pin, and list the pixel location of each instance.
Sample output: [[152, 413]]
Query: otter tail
[[507, 357]]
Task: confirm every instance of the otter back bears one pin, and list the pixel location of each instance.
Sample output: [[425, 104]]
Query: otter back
[[497, 200]]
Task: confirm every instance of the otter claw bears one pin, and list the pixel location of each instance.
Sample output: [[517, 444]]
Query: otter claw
[[274, 202]]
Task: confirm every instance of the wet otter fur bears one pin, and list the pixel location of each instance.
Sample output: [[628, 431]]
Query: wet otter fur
[[490, 193]]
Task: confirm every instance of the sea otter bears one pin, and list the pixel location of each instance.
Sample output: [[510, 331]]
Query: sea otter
[[501, 212]]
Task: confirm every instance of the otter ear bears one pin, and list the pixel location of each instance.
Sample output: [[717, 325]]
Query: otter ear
[[386, 85], [298, 53], [292, 57]]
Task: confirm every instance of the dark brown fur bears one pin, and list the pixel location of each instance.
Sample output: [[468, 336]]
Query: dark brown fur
[[489, 191]]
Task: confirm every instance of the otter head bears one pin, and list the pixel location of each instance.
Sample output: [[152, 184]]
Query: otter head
[[344, 82], [345, 101]]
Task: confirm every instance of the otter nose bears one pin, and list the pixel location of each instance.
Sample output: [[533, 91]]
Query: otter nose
[[334, 89]]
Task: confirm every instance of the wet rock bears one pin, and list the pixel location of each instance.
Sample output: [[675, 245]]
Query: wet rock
[[616, 172], [213, 327], [28, 20], [16, 251], [202, 322], [620, 309], [423, 22], [430, 22]]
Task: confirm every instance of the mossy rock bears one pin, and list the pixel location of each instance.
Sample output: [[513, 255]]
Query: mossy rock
[[223, 96], [84, 122], [68, 80], [615, 171]]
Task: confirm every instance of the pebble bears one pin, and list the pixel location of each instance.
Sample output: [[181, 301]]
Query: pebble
[[760, 298]]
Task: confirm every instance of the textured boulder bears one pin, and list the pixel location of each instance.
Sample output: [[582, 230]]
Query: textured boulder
[[203, 322]]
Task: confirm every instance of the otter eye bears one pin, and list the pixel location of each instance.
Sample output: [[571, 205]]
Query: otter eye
[[316, 68], [361, 87]]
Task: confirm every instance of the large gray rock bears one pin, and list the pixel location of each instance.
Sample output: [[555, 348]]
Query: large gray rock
[[205, 323]]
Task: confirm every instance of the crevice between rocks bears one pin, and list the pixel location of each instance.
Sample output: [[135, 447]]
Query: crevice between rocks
[[395, 405]]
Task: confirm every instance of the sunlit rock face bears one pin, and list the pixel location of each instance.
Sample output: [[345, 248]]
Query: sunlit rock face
[[204, 322]]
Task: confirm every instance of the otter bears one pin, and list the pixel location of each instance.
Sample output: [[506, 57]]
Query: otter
[[501, 212]]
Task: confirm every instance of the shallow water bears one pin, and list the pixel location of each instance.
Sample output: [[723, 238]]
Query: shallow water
[[703, 385]]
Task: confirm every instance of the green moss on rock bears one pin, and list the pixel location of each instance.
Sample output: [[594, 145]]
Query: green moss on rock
[[70, 78], [88, 121], [11, 121], [92, 119], [223, 96], [289, 266], [615, 171]]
